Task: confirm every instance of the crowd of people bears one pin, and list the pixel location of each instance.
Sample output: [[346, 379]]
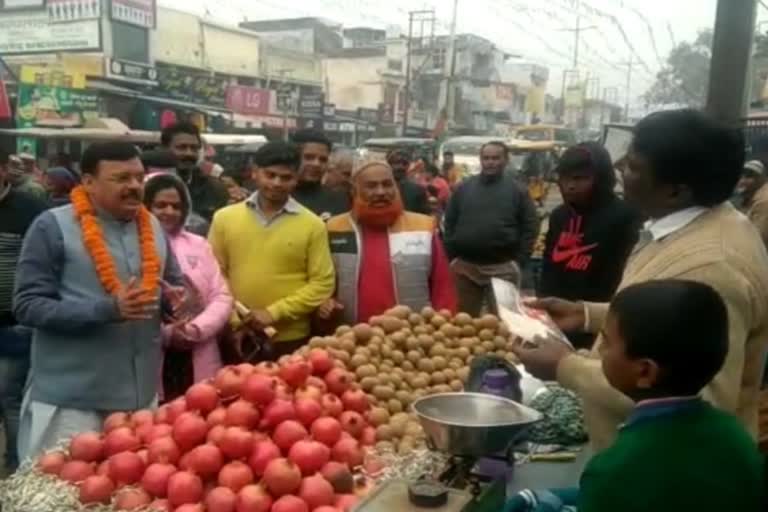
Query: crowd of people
[[126, 287]]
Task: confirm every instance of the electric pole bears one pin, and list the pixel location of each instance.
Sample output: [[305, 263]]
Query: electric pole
[[450, 67], [630, 65], [420, 17], [577, 30], [731, 55]]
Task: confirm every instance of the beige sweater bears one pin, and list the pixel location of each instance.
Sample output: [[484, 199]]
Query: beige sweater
[[722, 249], [758, 212]]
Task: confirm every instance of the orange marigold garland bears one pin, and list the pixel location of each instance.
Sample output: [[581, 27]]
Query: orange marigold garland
[[93, 239]]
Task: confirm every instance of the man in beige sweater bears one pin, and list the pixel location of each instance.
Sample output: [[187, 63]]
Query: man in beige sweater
[[682, 169]]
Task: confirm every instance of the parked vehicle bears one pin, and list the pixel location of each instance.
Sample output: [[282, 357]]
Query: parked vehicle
[[377, 149], [547, 132]]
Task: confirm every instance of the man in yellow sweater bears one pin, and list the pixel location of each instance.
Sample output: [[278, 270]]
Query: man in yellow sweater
[[682, 169], [274, 252]]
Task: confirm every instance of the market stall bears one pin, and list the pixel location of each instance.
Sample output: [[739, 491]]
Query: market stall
[[410, 407]]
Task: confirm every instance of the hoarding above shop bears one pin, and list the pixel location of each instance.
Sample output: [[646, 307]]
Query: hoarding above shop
[[142, 13], [33, 32], [21, 4], [73, 10]]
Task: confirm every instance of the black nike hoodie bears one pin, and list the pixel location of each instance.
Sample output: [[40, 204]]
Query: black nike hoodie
[[586, 249]]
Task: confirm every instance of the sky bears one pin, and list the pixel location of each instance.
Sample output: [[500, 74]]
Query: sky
[[614, 30]]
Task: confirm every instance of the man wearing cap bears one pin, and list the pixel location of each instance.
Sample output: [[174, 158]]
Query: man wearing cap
[[384, 255], [21, 176], [754, 194]]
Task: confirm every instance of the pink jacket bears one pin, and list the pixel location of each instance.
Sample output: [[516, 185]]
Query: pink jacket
[[199, 265]]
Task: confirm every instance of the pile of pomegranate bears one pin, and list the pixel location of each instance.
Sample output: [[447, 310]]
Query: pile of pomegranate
[[266, 438]]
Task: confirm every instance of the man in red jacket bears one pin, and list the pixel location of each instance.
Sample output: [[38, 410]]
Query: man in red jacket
[[384, 255]]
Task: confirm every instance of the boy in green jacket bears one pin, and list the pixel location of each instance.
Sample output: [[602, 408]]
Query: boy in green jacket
[[664, 341]]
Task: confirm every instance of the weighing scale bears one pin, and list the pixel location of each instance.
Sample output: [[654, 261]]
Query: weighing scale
[[478, 432]]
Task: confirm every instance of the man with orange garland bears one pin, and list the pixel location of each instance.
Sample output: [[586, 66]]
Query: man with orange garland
[[398, 252], [90, 282]]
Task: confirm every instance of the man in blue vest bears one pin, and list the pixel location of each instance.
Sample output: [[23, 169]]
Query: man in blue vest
[[89, 283]]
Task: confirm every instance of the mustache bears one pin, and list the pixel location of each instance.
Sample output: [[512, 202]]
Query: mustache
[[132, 194]]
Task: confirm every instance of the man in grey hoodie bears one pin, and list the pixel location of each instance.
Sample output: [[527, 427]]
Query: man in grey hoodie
[[94, 351]]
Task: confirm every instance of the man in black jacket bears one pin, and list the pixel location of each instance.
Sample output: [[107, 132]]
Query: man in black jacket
[[17, 211], [324, 201], [208, 194], [414, 195], [490, 228]]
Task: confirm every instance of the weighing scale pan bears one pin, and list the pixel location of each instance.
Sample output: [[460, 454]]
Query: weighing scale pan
[[473, 424]]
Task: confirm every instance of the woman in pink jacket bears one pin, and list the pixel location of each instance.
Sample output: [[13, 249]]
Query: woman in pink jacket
[[192, 351]]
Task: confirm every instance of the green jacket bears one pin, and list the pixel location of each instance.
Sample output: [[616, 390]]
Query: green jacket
[[676, 456]]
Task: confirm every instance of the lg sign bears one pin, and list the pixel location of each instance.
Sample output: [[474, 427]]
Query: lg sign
[[242, 99]]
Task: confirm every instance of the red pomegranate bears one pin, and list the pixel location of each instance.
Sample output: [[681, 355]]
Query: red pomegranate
[[307, 410], [368, 437], [338, 381], [126, 468], [121, 439], [310, 456], [142, 417], [316, 491], [190, 507], [76, 471], [287, 433], [264, 452], [235, 476], [290, 503], [88, 447], [116, 420], [355, 400], [352, 422], [295, 372], [345, 502], [259, 389], [267, 368], [348, 451], [317, 382], [51, 463], [189, 430], [327, 430], [253, 498], [332, 406], [206, 460], [96, 489], [228, 381], [218, 416], [158, 431], [236, 443], [161, 415], [131, 498], [202, 397], [308, 392], [163, 449], [220, 499], [215, 434], [282, 477], [321, 361], [242, 413], [176, 409], [184, 487], [155, 479], [339, 476], [277, 412]]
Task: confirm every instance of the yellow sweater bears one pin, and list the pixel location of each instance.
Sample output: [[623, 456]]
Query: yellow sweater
[[722, 249], [285, 267]]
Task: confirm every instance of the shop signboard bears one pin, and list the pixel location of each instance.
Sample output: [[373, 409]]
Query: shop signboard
[[311, 105], [73, 10], [21, 4], [329, 110], [33, 32], [141, 13], [131, 72], [242, 99], [368, 115], [188, 85], [52, 76], [40, 105]]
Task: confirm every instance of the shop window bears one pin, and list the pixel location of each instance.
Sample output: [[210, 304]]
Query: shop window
[[130, 42]]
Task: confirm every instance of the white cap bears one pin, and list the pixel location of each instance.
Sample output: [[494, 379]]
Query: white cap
[[755, 166]]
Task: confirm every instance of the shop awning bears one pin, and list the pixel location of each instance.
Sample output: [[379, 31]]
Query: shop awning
[[110, 88]]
